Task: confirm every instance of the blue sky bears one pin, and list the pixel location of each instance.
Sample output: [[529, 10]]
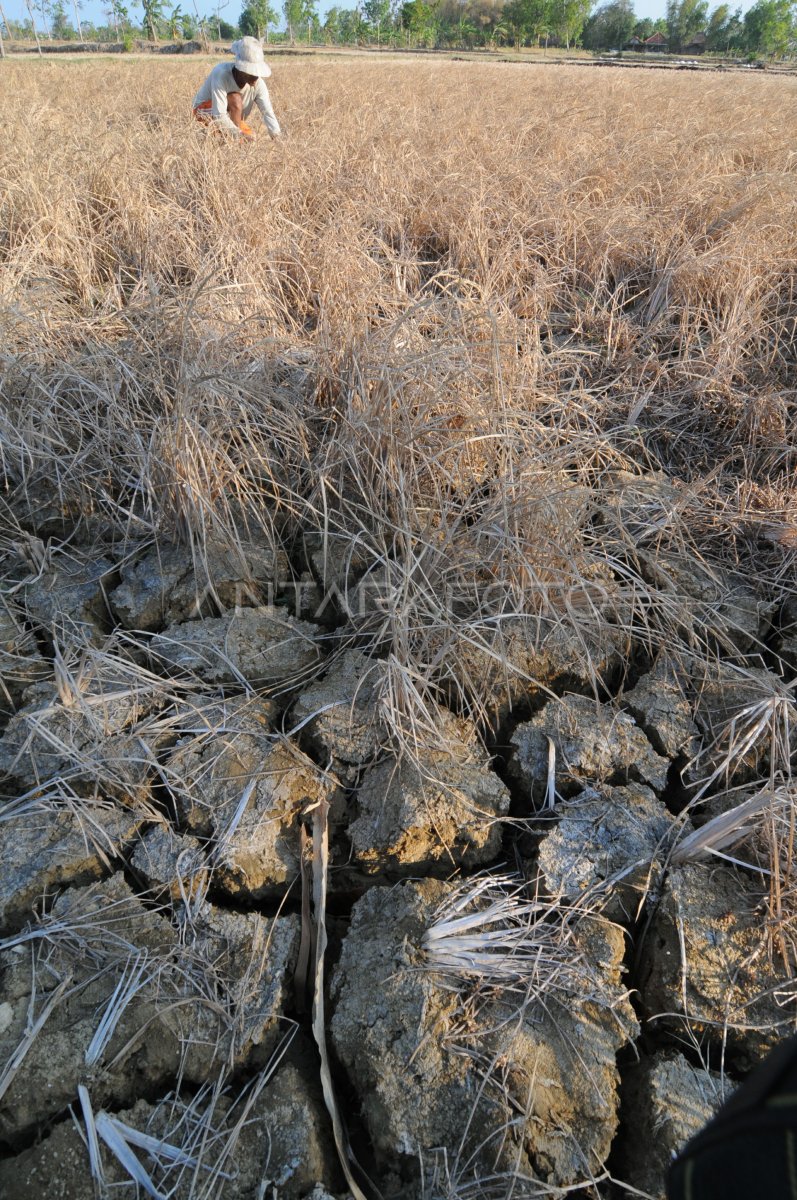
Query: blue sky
[[93, 9]]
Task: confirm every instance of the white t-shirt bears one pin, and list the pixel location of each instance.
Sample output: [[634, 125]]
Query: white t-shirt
[[219, 83]]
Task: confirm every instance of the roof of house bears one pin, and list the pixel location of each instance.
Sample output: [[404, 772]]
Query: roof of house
[[656, 39]]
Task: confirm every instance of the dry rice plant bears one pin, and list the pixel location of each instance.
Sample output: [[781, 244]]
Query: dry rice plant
[[186, 1147], [487, 934], [489, 943], [759, 830], [443, 350]]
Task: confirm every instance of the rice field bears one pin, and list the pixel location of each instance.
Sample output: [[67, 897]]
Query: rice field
[[484, 373]]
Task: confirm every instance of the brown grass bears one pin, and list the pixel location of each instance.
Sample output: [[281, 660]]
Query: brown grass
[[522, 336], [444, 318]]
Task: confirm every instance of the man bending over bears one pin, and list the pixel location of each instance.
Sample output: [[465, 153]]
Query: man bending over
[[231, 90]]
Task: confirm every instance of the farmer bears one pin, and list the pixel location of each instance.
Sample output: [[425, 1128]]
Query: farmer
[[231, 89]]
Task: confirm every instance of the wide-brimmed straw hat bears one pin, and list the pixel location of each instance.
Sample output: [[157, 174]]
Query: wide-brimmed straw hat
[[249, 57]]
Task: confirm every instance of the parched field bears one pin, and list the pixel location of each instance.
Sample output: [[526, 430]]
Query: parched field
[[398, 637]]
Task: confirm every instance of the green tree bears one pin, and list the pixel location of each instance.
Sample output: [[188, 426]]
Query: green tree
[[724, 31], [153, 15], [350, 25], [309, 17], [174, 23], [488, 20], [44, 9], [117, 16], [59, 22], [416, 18], [377, 13], [769, 27], [331, 25], [256, 18], [528, 19], [567, 19], [646, 27], [685, 18], [293, 17], [497, 33], [611, 26], [729, 36], [718, 18]]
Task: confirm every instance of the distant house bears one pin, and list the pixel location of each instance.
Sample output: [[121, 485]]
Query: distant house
[[633, 43], [695, 45], [657, 43]]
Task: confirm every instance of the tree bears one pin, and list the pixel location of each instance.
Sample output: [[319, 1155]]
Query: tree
[[174, 22], [769, 27], [528, 19], [611, 26], [332, 25], [293, 17], [724, 29], [309, 16], [417, 17], [121, 15], [256, 18], [685, 18], [298, 15], [349, 25], [59, 22], [111, 17], [33, 25], [376, 13], [567, 19], [717, 20], [731, 35], [479, 22], [497, 33], [153, 14], [43, 7]]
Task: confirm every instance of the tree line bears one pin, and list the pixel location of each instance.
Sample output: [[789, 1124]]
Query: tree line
[[768, 28]]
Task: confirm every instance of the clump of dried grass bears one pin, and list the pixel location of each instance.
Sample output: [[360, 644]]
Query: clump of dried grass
[[511, 958], [186, 1147], [487, 934], [442, 349], [756, 828]]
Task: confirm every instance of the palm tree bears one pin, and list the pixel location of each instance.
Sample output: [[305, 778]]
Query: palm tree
[[174, 22], [33, 25], [153, 13], [3, 21]]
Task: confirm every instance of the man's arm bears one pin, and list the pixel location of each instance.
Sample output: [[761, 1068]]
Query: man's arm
[[218, 112], [263, 102]]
